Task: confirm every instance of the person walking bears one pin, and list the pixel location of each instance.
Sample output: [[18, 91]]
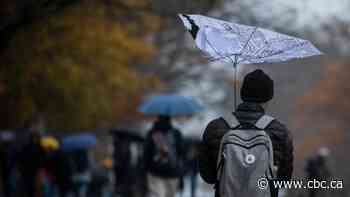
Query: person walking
[[163, 155], [257, 90], [317, 169], [7, 163], [29, 163]]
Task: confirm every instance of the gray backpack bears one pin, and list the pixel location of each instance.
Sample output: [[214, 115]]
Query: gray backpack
[[245, 156]]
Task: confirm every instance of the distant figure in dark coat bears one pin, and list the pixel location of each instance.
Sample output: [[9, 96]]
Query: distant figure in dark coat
[[193, 166], [130, 179], [318, 169], [29, 162], [163, 156], [7, 166], [59, 165]]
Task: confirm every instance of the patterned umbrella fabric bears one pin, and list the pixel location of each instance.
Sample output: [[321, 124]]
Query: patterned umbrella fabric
[[242, 44]]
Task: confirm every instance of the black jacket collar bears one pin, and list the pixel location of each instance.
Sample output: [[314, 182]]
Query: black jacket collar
[[250, 107], [249, 112]]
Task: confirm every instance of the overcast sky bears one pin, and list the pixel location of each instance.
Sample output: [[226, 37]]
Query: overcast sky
[[315, 11], [305, 12]]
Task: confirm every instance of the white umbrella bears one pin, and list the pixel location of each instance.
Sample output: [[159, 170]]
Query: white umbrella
[[242, 44]]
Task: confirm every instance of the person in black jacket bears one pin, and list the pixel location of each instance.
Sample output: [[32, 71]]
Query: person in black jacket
[[317, 168], [58, 165], [163, 156], [256, 91], [29, 163]]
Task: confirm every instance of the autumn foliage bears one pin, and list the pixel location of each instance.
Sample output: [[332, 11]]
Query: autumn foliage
[[323, 113], [78, 68]]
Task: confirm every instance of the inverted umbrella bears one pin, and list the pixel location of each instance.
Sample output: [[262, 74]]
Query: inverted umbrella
[[170, 105], [78, 142], [242, 44]]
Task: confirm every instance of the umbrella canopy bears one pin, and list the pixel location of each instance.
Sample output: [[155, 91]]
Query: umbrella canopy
[[170, 105], [242, 44], [78, 142]]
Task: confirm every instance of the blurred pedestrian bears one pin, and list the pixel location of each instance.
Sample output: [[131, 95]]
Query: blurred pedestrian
[[58, 168], [30, 160], [122, 167], [63, 173], [256, 92], [47, 176], [193, 167], [7, 163], [317, 169], [128, 169], [81, 172], [101, 182], [163, 156]]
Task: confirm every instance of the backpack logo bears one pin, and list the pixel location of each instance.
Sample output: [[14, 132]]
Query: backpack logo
[[250, 159]]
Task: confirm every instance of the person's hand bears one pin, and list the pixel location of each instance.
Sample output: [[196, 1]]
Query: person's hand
[[164, 153]]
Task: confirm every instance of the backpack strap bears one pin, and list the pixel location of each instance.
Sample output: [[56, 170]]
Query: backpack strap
[[233, 124], [232, 121], [264, 121]]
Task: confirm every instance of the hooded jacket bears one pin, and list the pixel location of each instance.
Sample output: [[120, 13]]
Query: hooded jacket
[[247, 114]]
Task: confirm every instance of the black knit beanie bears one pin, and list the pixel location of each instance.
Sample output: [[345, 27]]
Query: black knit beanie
[[257, 87]]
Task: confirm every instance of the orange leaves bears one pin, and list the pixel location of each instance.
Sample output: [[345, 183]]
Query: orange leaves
[[324, 112], [330, 136], [331, 95], [77, 68]]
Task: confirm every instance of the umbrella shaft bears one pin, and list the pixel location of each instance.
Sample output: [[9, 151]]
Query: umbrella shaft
[[234, 63], [235, 87], [235, 83]]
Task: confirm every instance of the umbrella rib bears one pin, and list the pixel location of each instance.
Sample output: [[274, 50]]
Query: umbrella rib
[[262, 57], [276, 53], [215, 49], [223, 57], [262, 48], [250, 37], [259, 50]]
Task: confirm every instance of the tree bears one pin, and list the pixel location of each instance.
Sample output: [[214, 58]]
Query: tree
[[323, 116], [77, 67]]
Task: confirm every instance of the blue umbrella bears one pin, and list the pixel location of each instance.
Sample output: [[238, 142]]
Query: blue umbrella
[[78, 142], [170, 105]]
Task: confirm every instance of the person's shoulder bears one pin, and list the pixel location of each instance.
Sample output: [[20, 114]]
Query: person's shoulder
[[276, 124], [215, 129], [218, 123], [279, 129]]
